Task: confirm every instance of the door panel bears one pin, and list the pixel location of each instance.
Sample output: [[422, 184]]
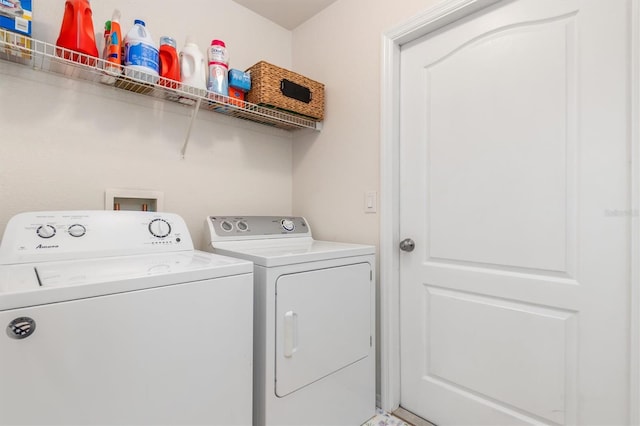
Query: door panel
[[467, 209], [504, 364], [323, 323], [513, 149]]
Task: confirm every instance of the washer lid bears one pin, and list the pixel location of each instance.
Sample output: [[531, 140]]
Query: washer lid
[[47, 282], [275, 252]]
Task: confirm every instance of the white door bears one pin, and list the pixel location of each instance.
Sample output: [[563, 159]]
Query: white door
[[515, 186]]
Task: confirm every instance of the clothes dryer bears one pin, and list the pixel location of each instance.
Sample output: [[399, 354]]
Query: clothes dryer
[[113, 318], [314, 345]]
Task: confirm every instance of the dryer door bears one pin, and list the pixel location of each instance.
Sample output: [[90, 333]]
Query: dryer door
[[323, 323]]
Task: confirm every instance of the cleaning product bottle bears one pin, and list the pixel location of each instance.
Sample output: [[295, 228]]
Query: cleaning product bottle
[[192, 67], [218, 68], [141, 58], [114, 47], [107, 35], [169, 63], [76, 33], [106, 79]]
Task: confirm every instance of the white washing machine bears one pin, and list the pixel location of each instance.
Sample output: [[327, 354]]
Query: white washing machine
[[112, 318], [314, 356]]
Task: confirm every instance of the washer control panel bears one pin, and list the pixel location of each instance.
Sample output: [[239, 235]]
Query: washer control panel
[[253, 227], [64, 235]]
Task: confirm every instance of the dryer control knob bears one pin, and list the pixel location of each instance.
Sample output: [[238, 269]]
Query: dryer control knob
[[288, 225], [77, 230], [46, 231], [159, 228]]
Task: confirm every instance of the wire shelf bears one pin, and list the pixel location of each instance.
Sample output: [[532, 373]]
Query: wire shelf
[[50, 58]]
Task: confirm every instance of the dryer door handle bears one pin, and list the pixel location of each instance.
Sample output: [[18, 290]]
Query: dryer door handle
[[290, 333]]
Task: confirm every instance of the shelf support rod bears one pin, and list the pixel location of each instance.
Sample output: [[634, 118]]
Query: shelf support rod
[[196, 108]]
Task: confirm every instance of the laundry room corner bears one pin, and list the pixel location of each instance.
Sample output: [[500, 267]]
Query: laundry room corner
[[340, 165]]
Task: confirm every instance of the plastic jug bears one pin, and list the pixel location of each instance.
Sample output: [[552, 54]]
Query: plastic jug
[[192, 66], [141, 54], [169, 63], [77, 32]]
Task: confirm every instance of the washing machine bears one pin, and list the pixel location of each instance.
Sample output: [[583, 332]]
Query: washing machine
[[112, 318], [314, 345]]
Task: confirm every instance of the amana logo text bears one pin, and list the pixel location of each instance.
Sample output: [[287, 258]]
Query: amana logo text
[[40, 246]]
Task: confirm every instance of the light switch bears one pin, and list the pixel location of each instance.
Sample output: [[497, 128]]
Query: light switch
[[370, 202]]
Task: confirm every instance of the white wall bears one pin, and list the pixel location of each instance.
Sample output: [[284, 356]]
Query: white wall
[[63, 142], [341, 47]]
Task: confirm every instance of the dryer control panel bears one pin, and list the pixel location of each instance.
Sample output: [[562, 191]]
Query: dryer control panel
[[70, 235], [230, 228]]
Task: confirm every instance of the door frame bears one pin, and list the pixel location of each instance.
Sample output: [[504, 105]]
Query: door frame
[[430, 20]]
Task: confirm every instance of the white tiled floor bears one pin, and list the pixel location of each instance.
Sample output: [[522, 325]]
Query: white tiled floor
[[385, 419]]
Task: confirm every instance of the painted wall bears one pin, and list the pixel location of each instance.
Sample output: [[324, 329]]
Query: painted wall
[[332, 170], [64, 142], [341, 47]]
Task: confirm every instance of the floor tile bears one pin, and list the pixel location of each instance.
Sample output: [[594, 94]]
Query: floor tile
[[385, 419]]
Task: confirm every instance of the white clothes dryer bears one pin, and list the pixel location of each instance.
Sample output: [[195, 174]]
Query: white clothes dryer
[[314, 303], [112, 317]]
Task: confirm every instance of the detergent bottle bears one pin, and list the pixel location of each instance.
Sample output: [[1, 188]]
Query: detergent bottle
[[192, 67], [77, 33], [169, 63]]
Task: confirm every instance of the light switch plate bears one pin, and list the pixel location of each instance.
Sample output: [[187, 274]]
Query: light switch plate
[[370, 202]]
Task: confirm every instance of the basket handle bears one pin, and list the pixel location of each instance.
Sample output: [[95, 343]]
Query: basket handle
[[295, 91]]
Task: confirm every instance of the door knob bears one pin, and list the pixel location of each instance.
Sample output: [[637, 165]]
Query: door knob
[[407, 244]]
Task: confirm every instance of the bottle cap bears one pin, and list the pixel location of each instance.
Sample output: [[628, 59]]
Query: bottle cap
[[116, 15], [168, 41], [138, 21], [218, 43], [107, 26]]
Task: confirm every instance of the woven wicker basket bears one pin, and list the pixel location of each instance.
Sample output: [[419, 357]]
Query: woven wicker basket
[[283, 89]]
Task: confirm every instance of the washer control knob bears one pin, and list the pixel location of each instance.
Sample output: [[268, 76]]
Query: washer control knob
[[226, 226], [242, 226], [159, 228], [46, 231], [288, 225], [77, 230]]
